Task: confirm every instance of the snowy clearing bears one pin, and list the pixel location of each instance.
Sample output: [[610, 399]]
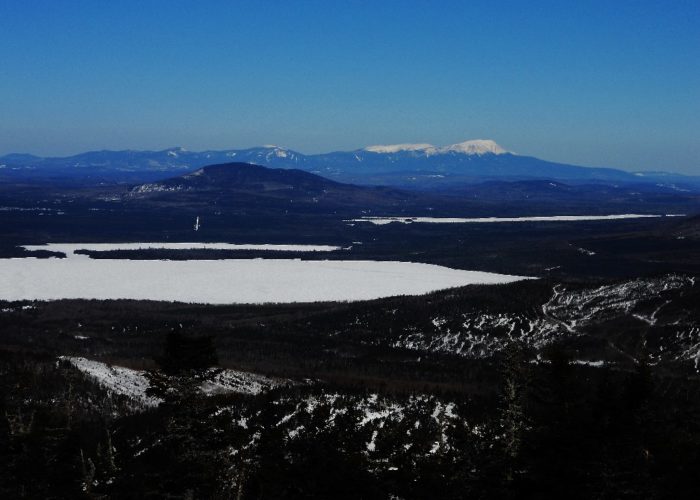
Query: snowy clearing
[[242, 281], [115, 379], [481, 334], [70, 248], [378, 417], [133, 383], [460, 220]]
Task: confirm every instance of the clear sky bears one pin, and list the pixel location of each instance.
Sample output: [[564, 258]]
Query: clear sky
[[613, 82]]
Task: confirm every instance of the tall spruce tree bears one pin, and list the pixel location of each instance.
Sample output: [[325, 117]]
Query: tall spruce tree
[[513, 419]]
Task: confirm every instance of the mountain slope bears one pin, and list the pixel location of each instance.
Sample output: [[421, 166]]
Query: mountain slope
[[249, 185], [244, 176]]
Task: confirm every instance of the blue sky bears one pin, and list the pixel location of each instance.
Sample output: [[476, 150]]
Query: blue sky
[[613, 83]]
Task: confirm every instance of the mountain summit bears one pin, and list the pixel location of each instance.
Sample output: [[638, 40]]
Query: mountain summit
[[248, 185], [475, 147], [472, 147]]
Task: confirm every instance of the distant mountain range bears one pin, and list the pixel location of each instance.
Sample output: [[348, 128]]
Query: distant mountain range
[[245, 186], [417, 166]]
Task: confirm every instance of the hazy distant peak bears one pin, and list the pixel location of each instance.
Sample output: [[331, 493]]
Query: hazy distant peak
[[176, 151], [395, 148], [473, 147]]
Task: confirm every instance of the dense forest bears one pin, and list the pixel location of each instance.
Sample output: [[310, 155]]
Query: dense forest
[[343, 400], [544, 430]]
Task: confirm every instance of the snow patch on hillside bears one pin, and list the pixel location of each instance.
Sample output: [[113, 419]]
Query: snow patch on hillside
[[376, 417], [479, 334], [157, 188], [134, 383], [115, 379], [577, 308]]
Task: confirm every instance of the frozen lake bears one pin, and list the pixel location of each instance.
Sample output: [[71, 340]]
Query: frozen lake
[[486, 220], [226, 281]]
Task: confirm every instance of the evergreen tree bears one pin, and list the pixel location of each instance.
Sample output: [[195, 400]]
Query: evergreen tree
[[184, 365], [513, 421]]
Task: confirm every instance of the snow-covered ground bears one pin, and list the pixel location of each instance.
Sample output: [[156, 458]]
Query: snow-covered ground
[[462, 220], [70, 248], [244, 281], [115, 379], [240, 382], [133, 383], [480, 334], [387, 424], [573, 309]]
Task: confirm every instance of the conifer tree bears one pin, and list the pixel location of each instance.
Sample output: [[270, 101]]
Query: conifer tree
[[513, 420]]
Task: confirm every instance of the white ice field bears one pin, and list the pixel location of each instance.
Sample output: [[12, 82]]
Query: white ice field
[[234, 281], [380, 221]]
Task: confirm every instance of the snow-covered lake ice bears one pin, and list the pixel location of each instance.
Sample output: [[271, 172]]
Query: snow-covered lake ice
[[234, 281], [486, 220]]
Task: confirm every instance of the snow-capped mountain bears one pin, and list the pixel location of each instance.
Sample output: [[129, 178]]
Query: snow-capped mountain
[[473, 147], [395, 148]]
